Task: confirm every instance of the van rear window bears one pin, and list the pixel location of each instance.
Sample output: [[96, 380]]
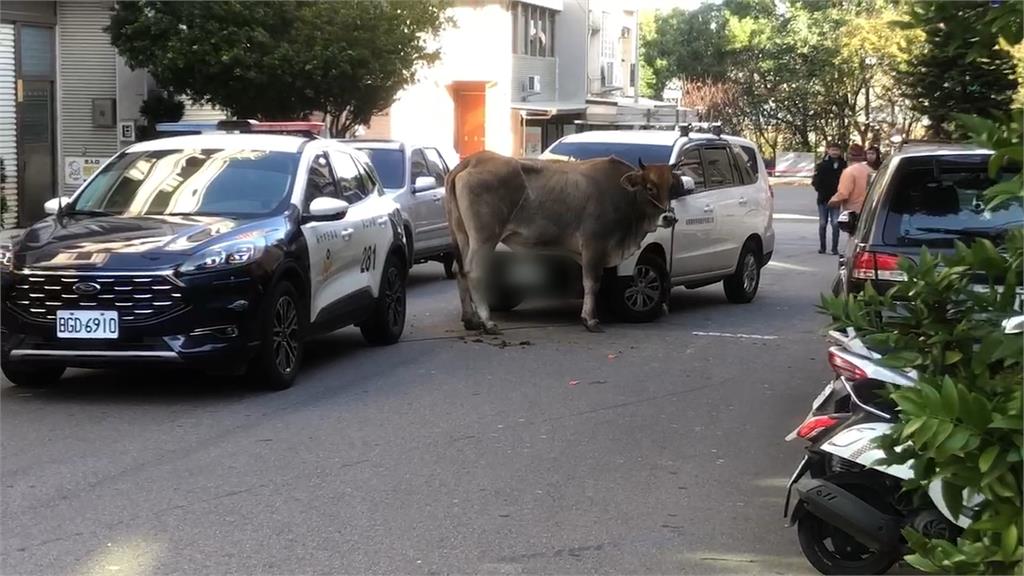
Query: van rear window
[[935, 200]]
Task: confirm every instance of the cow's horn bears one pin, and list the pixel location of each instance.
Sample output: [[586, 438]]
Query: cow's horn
[[641, 160]]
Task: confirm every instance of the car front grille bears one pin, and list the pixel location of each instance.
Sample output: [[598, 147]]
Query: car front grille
[[137, 298]]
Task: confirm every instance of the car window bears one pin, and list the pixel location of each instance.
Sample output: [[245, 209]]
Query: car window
[[751, 160], [419, 165], [435, 164], [693, 167], [718, 171], [935, 200], [320, 181], [350, 179], [626, 151], [193, 181], [746, 166], [389, 164], [370, 177]]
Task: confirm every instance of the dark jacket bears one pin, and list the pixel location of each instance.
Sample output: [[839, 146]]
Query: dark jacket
[[826, 178]]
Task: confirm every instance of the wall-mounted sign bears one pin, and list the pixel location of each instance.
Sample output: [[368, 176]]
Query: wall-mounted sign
[[78, 169], [103, 113], [127, 131]]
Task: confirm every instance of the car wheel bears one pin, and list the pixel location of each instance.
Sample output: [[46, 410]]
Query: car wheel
[[28, 376], [449, 266], [387, 321], [742, 285], [641, 297], [281, 347]]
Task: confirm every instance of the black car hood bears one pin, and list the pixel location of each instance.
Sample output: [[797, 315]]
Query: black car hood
[[141, 242]]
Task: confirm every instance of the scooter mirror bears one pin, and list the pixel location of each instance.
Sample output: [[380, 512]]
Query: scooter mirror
[[1013, 325]]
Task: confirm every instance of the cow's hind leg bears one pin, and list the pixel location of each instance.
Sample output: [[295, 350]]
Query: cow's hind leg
[[477, 262], [593, 269], [470, 319]]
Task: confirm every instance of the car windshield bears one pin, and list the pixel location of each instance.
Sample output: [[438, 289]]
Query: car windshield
[[390, 166], [197, 181], [628, 151], [936, 200]]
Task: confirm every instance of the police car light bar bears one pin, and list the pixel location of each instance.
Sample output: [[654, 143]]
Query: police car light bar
[[308, 129], [186, 127]]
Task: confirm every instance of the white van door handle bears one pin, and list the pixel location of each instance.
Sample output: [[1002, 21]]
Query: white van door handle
[[708, 208], [437, 199], [743, 201], [346, 234], [382, 221]]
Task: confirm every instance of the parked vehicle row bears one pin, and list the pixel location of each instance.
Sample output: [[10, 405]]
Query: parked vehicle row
[[224, 245]]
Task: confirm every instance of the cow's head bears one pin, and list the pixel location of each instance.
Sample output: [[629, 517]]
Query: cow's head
[[656, 186]]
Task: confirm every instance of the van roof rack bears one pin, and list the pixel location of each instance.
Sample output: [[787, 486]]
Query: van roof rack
[[303, 129]]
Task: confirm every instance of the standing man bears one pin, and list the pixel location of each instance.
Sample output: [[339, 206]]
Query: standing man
[[826, 184], [853, 184]]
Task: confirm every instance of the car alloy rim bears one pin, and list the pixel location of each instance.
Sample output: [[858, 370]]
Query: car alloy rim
[[285, 335], [749, 273], [645, 290], [394, 298]]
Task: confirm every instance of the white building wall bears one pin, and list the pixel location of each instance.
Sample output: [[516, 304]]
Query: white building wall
[[572, 40], [476, 48]]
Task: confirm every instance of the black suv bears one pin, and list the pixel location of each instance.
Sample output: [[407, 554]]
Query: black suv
[[215, 250], [924, 195]]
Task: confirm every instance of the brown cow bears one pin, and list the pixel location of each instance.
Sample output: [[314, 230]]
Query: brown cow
[[598, 211]]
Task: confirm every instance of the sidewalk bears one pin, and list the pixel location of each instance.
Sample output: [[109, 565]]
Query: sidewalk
[[789, 180]]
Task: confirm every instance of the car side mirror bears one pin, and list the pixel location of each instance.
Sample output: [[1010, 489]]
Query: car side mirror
[[689, 186], [424, 183], [325, 209], [53, 205], [847, 221]]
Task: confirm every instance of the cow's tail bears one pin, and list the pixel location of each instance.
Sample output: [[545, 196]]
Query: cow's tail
[[456, 225]]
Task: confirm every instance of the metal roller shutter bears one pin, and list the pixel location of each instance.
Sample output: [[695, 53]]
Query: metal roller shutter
[[87, 71], [8, 126]]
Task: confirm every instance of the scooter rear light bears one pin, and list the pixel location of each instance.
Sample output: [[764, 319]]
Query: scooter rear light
[[815, 426], [845, 368]]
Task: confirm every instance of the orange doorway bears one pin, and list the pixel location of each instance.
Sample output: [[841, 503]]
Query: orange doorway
[[470, 117]]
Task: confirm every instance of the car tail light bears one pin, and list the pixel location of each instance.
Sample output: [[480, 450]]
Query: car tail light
[[845, 368], [877, 266], [815, 426]]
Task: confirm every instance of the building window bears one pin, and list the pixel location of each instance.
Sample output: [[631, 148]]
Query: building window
[[607, 38], [533, 30]]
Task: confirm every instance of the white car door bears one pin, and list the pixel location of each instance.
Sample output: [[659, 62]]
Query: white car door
[[378, 210], [693, 234], [729, 197], [332, 244]]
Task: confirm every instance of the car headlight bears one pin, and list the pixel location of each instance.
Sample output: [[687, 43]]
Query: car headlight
[[237, 252], [6, 255]]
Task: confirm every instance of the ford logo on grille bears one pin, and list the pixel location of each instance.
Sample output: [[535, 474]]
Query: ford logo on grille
[[86, 288]]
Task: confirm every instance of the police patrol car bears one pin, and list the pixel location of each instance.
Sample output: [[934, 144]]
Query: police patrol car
[[219, 246]]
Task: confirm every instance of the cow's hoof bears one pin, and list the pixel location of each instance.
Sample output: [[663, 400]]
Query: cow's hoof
[[491, 329], [592, 326], [472, 324]]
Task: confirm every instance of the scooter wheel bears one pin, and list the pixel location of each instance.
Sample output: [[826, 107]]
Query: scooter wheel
[[832, 551]]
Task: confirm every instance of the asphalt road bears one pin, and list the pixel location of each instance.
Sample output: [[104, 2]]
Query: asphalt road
[[647, 449]]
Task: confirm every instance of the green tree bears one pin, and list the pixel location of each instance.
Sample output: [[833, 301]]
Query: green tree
[[961, 68], [285, 59], [687, 44]]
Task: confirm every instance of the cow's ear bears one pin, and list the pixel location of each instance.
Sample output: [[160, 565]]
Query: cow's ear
[[633, 180], [640, 161]]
